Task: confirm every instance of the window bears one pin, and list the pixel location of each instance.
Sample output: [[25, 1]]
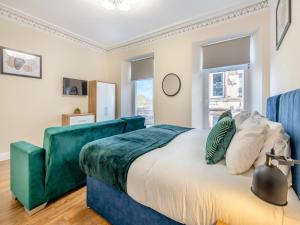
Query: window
[[217, 85], [144, 100], [226, 90]]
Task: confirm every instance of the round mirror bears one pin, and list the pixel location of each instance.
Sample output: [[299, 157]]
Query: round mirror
[[171, 84]]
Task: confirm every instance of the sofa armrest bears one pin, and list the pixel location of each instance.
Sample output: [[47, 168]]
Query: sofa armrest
[[134, 123], [27, 174]]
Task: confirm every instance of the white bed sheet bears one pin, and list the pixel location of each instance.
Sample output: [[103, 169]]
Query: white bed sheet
[[176, 181]]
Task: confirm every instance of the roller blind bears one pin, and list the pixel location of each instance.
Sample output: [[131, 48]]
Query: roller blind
[[142, 69], [227, 53]]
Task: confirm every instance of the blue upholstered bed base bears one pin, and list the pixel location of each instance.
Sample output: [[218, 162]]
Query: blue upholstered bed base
[[285, 109], [119, 209]]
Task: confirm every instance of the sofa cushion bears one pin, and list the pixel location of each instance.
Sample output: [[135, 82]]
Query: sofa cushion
[[134, 123], [63, 145]]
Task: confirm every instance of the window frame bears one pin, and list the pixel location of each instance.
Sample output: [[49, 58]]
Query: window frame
[[134, 98], [212, 85], [207, 94]]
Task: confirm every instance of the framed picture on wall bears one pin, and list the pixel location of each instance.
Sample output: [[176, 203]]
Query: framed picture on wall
[[283, 20], [18, 63]]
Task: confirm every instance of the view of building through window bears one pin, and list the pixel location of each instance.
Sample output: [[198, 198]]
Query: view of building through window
[[226, 92], [144, 100]]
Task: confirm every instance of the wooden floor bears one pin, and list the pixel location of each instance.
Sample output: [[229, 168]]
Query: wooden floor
[[68, 210]]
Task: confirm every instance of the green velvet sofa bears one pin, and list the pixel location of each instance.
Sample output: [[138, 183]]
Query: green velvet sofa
[[39, 175]]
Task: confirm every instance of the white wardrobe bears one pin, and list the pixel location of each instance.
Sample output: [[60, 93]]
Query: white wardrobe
[[102, 100]]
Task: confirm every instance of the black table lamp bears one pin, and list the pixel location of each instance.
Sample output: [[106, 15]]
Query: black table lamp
[[270, 183]]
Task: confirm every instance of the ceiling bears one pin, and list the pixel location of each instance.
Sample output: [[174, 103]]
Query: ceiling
[[88, 19]]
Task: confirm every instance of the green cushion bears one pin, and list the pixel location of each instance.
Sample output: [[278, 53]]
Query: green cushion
[[219, 139], [134, 123], [225, 114], [63, 145]]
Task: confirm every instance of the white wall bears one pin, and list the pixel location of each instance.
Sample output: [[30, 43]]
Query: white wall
[[260, 68], [177, 55], [285, 72], [127, 90], [28, 106]]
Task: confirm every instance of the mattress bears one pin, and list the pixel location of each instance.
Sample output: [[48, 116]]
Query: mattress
[[176, 181]]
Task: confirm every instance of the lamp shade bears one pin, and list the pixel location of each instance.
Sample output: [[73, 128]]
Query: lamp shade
[[270, 185]]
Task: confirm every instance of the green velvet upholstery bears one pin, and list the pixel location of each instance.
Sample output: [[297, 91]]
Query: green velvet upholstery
[[39, 175], [134, 123], [63, 145], [27, 174], [219, 139], [225, 114], [109, 159]]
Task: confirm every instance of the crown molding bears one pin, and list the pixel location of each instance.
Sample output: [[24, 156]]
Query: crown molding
[[20, 17], [193, 25]]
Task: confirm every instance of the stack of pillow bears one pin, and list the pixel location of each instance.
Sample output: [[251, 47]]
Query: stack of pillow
[[244, 141]]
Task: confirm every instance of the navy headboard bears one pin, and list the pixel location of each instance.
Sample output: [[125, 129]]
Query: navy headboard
[[285, 109]]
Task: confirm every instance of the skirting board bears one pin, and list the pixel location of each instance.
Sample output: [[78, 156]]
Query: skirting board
[[4, 156]]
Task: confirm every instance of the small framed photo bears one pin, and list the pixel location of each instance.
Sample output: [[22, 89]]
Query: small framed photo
[[18, 63], [283, 20]]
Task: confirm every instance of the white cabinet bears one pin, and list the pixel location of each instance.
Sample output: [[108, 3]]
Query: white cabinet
[[102, 100], [106, 101], [77, 119]]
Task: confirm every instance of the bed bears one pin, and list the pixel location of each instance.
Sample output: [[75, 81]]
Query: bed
[[173, 185]]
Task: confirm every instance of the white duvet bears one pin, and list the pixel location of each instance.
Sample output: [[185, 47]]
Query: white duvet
[[176, 181]]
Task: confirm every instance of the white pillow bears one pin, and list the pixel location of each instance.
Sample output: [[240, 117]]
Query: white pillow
[[276, 138], [240, 118], [246, 145], [273, 127]]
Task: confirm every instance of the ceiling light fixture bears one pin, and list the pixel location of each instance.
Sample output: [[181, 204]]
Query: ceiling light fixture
[[122, 5]]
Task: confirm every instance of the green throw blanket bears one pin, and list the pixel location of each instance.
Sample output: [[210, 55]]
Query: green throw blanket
[[109, 159]]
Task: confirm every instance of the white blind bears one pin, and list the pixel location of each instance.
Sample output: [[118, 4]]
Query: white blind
[[142, 69], [227, 53]]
